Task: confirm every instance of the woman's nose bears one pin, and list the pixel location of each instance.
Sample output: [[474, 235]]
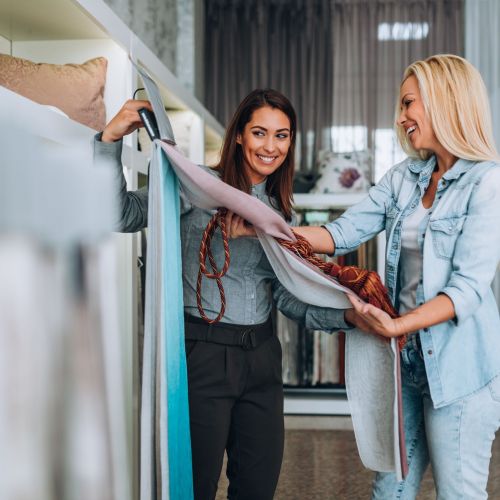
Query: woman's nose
[[269, 144], [401, 118]]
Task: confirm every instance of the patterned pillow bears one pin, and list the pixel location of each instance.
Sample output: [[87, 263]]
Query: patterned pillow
[[76, 89], [343, 172]]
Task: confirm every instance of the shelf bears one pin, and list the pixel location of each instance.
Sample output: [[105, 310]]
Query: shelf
[[320, 391], [73, 31], [20, 21], [314, 403], [319, 201], [45, 122], [35, 31]]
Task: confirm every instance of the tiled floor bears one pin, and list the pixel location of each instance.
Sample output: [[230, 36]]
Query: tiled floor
[[324, 465]]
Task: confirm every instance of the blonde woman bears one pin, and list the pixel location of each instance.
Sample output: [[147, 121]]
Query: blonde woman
[[440, 209]]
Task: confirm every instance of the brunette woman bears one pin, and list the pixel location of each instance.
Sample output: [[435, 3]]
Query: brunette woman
[[234, 366]]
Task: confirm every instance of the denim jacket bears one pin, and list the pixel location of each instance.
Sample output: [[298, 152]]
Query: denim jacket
[[250, 280], [460, 242]]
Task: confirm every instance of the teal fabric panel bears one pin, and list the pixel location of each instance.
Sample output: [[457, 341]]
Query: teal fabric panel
[[179, 444]]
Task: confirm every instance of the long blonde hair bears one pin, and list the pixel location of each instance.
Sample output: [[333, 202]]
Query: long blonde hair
[[456, 101]]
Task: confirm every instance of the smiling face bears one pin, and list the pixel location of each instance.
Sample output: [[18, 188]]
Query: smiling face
[[265, 142], [414, 119]]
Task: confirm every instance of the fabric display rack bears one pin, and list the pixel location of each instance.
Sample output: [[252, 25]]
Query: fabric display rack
[[69, 318], [62, 415], [314, 361]]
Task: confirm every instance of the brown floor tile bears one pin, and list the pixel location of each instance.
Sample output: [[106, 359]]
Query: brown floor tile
[[324, 465]]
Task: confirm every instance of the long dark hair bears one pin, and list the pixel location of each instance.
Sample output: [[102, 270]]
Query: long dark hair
[[231, 166]]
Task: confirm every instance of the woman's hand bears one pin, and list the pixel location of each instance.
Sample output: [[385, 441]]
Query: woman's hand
[[371, 319], [236, 226], [125, 121]]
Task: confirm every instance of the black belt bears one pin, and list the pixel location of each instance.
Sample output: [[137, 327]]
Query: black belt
[[246, 336]]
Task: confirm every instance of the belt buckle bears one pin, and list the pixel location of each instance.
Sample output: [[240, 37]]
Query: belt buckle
[[247, 340]]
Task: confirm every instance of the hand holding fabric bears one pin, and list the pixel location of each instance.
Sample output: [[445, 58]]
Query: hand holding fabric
[[125, 121], [371, 319], [237, 226]]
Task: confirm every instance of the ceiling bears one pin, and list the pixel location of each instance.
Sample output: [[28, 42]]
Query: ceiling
[[29, 20]]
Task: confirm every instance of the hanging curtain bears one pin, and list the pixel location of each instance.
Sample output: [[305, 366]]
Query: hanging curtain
[[482, 45], [63, 429], [339, 61], [166, 470]]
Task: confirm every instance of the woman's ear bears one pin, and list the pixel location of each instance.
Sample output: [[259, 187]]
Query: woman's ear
[[238, 139]]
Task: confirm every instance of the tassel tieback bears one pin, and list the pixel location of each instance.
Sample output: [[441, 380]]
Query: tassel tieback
[[366, 284], [217, 220]]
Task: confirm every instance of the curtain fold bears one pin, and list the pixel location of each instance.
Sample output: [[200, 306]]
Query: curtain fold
[[63, 415], [328, 56], [482, 45]]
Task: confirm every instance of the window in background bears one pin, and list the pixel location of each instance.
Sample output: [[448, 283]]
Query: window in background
[[388, 152], [339, 63], [346, 139], [402, 31]]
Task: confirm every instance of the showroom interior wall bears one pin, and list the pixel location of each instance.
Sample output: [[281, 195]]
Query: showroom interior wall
[[338, 61], [482, 45], [167, 27]]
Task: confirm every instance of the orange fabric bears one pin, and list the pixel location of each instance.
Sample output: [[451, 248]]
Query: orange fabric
[[76, 89]]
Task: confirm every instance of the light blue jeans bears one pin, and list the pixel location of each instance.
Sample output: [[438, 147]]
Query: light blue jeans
[[455, 439]]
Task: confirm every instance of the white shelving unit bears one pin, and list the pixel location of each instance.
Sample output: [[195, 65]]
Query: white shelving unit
[[311, 401], [339, 201], [73, 31]]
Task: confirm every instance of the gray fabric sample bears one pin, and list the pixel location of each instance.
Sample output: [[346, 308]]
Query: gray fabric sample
[[369, 363]]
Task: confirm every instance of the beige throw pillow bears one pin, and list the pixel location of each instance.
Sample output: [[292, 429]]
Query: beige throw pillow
[[76, 89]]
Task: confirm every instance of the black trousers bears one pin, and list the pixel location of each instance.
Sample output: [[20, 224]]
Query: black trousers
[[235, 404]]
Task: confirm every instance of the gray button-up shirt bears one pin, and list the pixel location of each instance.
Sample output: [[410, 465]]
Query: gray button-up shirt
[[249, 284]]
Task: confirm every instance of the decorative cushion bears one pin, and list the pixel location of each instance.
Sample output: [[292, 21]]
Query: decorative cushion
[[76, 89], [343, 172]]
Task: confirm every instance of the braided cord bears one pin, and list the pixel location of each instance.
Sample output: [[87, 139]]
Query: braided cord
[[217, 220]]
